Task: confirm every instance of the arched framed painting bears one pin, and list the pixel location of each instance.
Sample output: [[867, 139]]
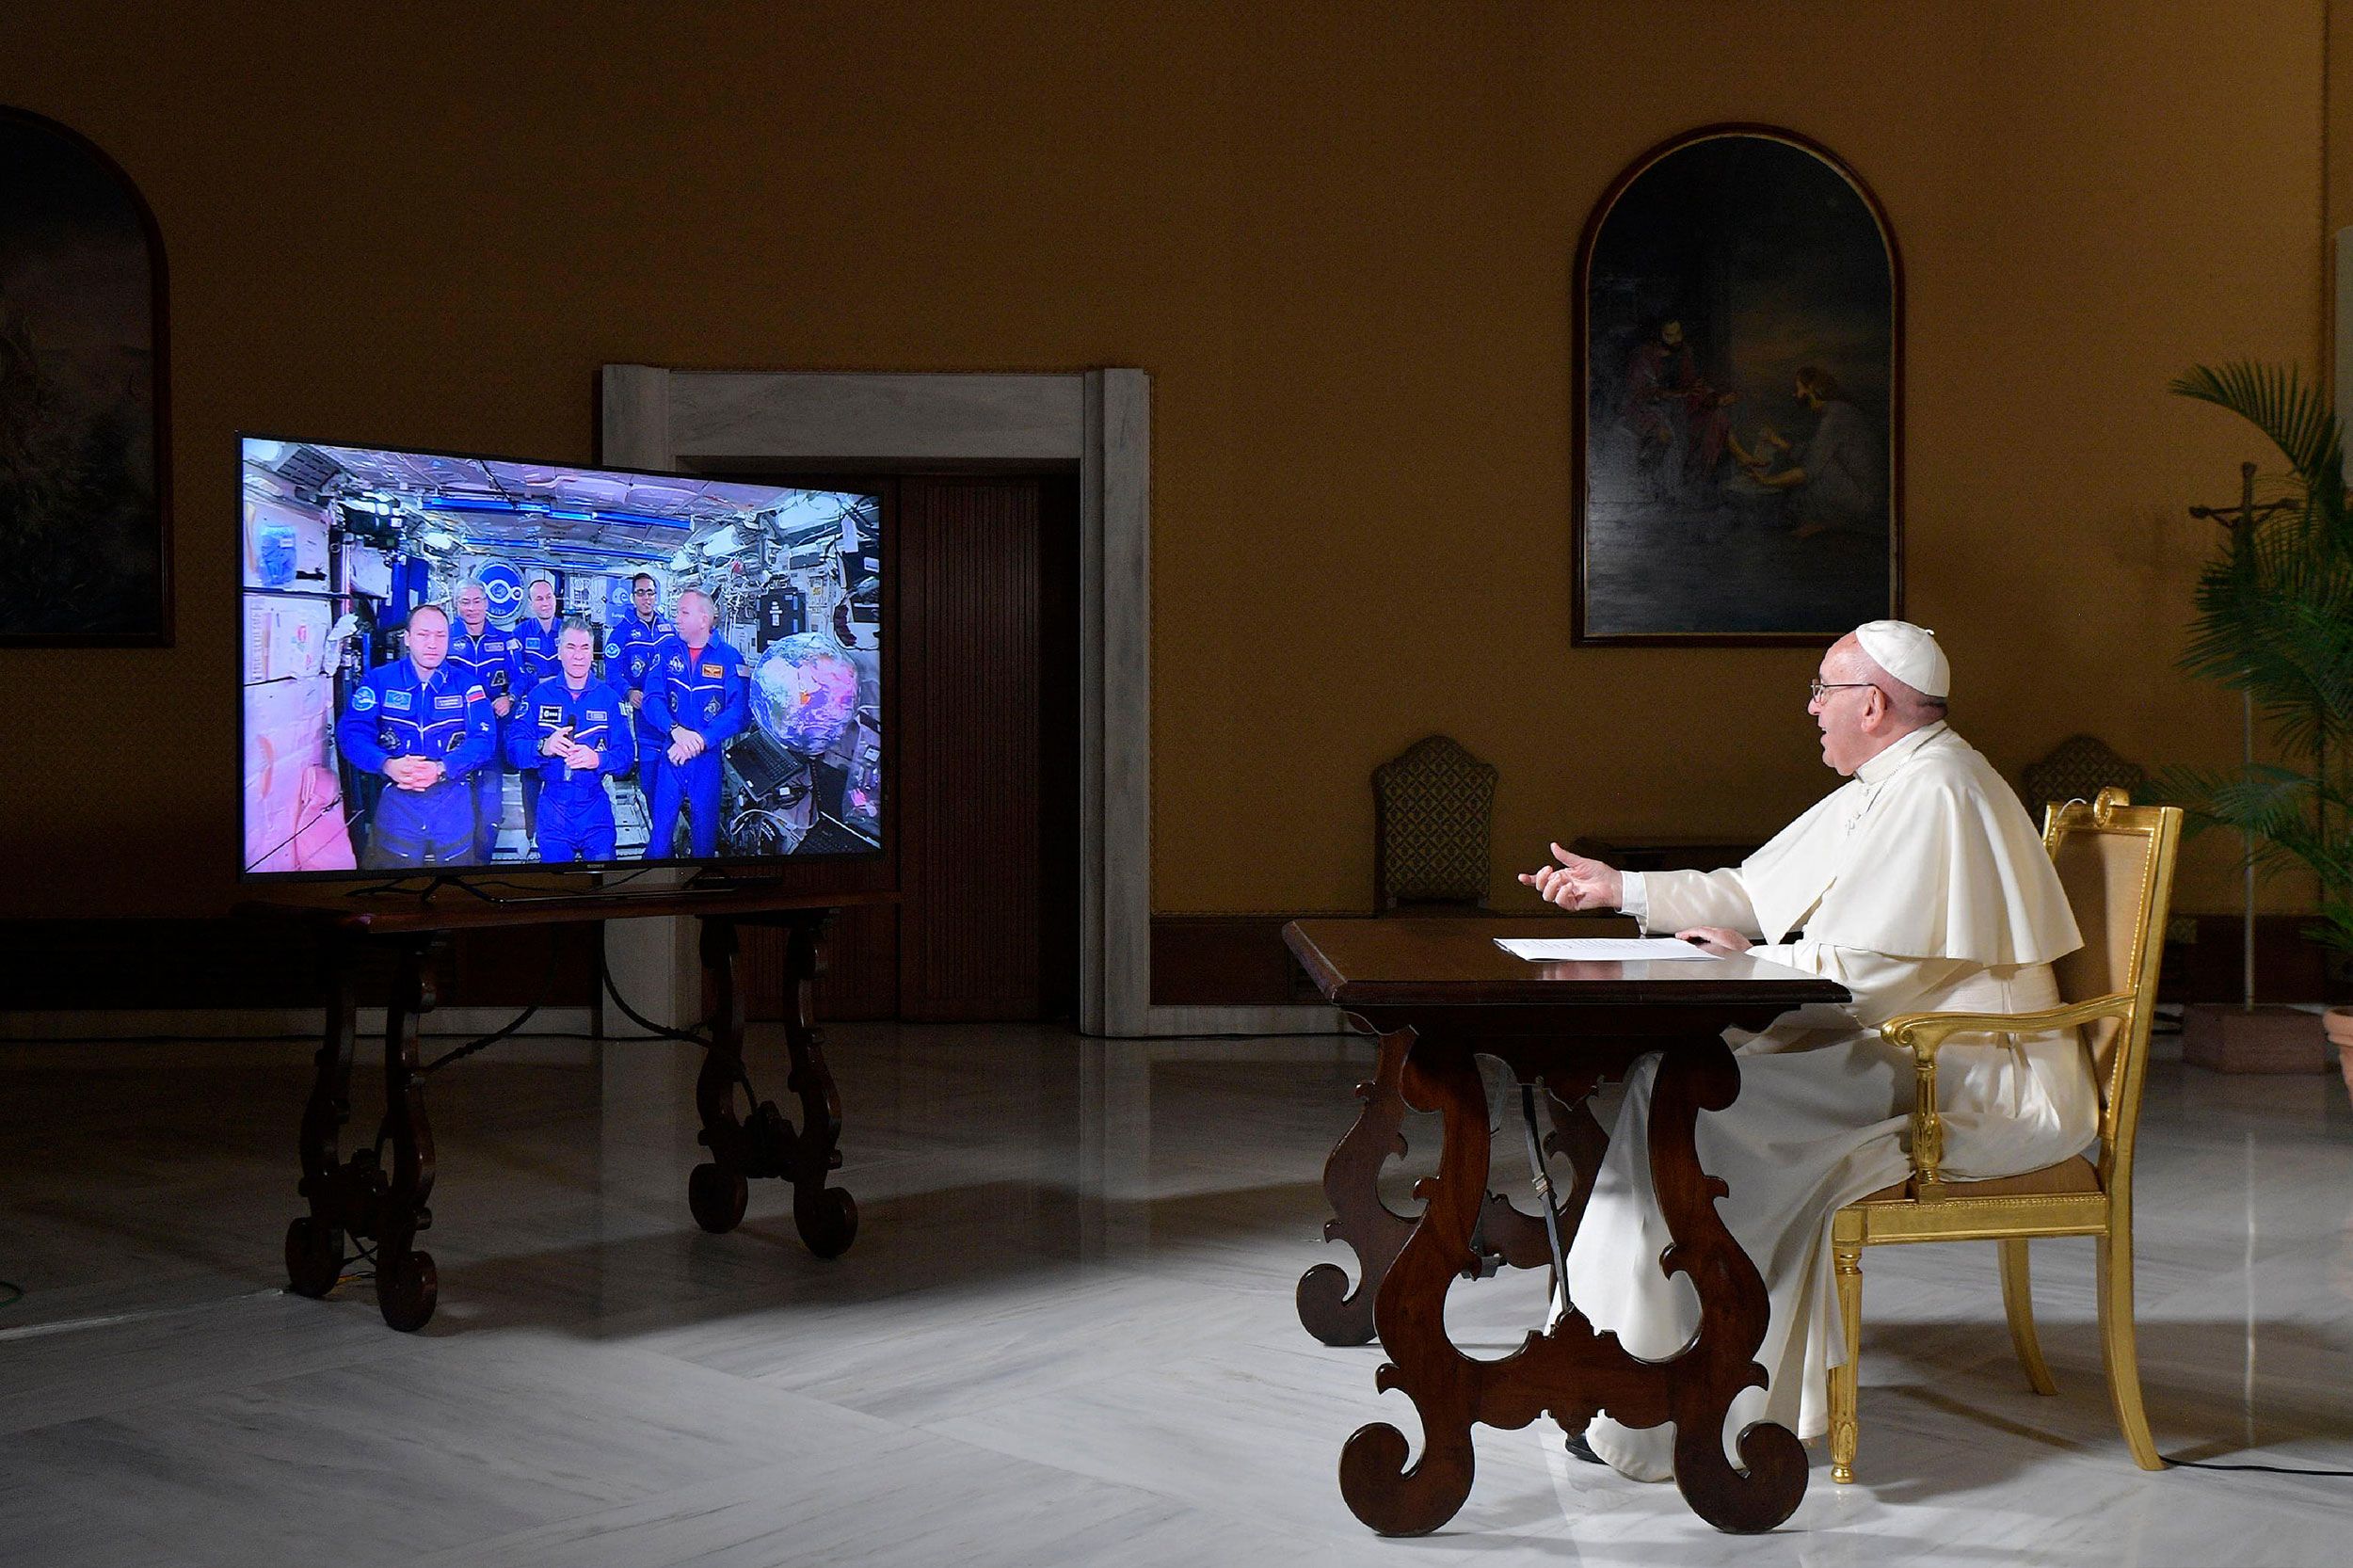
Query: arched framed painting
[[1737, 398], [84, 543]]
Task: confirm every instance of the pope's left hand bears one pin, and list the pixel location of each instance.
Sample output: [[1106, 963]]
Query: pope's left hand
[[1715, 936]]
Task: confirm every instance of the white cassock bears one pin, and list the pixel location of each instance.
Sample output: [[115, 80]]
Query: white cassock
[[1920, 886]]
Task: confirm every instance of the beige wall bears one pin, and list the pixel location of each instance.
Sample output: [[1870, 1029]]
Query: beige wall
[[1339, 238]]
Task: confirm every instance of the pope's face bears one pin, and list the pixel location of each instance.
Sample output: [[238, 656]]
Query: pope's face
[[578, 650], [1839, 713]]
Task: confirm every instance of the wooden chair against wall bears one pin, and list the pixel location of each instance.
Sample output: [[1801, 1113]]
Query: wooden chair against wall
[[1432, 812], [2078, 768], [2116, 861]]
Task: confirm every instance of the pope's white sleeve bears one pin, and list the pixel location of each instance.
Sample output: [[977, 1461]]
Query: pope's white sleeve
[[1633, 898], [1676, 900], [1880, 985]]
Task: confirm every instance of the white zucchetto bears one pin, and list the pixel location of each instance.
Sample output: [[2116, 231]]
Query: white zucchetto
[[1909, 653]]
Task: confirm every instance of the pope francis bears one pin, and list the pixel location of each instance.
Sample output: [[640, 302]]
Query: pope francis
[[1919, 885]]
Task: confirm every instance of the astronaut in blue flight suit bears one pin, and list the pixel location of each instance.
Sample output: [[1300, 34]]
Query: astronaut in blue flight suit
[[698, 694], [427, 728], [573, 730], [536, 660], [481, 650], [628, 653]]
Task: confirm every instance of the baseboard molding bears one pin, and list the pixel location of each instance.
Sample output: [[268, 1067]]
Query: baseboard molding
[[538, 1042], [1262, 1021]]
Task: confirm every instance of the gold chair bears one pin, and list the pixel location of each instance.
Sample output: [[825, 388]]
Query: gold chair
[[2116, 861]]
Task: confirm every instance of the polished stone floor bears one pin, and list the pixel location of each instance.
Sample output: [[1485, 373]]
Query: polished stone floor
[[1065, 1334]]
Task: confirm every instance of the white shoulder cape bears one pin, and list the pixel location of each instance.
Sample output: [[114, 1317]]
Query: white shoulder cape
[[1933, 859]]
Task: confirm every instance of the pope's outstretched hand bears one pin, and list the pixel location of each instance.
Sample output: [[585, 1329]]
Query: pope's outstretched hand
[[1576, 883]]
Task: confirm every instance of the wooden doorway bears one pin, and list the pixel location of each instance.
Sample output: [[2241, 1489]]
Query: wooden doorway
[[985, 570]]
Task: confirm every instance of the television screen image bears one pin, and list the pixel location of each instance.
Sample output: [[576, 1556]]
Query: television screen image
[[452, 663]]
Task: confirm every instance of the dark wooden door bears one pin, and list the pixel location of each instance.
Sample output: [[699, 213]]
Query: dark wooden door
[[969, 827]]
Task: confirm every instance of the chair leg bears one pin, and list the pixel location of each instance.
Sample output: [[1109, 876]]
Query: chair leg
[[1847, 1265], [2117, 1345], [2018, 1301]]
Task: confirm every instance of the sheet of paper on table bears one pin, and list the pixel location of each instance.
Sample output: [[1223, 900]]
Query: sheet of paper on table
[[1591, 948]]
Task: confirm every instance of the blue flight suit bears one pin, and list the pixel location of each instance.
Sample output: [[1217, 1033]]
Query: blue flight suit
[[707, 690], [490, 659], [536, 661], [575, 816], [400, 711], [627, 653]]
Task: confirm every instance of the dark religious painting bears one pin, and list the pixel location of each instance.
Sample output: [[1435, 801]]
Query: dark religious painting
[[1739, 397], [84, 552]]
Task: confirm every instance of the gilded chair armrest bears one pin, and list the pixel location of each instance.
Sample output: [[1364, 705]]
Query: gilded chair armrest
[[1922, 1034]]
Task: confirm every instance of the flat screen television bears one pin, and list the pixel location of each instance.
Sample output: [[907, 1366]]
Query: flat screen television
[[454, 663]]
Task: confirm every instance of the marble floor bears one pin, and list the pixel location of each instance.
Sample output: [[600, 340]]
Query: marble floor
[[1065, 1334]]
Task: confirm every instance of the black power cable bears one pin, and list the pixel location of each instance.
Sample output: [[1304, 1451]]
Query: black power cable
[[547, 984], [2267, 1469]]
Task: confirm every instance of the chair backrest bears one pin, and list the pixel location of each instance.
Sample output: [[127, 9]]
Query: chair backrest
[[1431, 807], [2116, 861], [2078, 768]]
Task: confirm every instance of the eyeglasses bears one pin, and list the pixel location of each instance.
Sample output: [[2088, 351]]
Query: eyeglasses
[[1818, 687]]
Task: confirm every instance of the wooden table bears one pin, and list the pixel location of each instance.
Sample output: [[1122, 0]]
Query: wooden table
[[359, 1198], [1437, 996]]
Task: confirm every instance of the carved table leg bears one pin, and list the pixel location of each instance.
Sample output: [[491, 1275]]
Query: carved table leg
[[314, 1242], [1720, 1360], [1352, 1183], [716, 1190], [826, 1217], [767, 1144], [407, 1285], [1569, 1370], [1518, 1236], [1411, 1311], [355, 1197]]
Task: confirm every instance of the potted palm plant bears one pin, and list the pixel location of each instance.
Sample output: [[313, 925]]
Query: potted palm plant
[[2274, 623]]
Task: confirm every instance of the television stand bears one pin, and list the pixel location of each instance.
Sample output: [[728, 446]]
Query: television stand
[[360, 1198]]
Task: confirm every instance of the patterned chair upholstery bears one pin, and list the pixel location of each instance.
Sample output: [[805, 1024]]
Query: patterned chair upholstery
[[2078, 768], [1432, 810]]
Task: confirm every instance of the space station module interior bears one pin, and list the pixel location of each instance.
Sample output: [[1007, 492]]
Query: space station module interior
[[341, 543]]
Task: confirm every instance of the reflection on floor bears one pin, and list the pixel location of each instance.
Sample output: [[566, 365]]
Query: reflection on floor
[[1064, 1336]]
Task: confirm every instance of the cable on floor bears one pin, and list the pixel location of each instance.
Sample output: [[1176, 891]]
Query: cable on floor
[[1280, 1035], [2267, 1469], [547, 984]]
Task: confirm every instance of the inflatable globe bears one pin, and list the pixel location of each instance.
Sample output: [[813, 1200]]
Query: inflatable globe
[[805, 692]]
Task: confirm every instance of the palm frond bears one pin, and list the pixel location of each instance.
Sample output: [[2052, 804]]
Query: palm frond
[[2275, 620], [2276, 401]]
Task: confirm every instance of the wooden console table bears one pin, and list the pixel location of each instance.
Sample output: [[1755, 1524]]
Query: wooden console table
[[357, 1197], [1437, 996]]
